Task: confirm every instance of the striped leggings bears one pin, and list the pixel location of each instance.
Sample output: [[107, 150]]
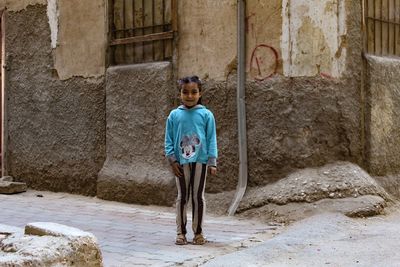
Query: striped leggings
[[192, 184]]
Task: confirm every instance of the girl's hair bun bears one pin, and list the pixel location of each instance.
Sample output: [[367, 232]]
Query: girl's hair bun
[[189, 79]]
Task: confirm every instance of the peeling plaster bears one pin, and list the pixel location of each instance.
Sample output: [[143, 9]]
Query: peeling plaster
[[18, 5], [81, 39], [52, 14], [207, 37], [313, 39]]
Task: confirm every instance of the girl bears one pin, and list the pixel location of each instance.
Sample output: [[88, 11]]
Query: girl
[[191, 149]]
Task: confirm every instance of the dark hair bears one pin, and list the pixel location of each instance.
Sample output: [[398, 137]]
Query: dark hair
[[190, 79]]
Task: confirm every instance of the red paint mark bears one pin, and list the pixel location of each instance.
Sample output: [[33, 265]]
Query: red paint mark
[[247, 22], [326, 75], [258, 66], [255, 60]]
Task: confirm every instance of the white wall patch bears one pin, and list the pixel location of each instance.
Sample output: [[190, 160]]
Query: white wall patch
[[52, 14], [312, 37]]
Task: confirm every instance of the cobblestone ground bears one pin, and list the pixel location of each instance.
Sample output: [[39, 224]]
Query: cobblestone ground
[[133, 235]]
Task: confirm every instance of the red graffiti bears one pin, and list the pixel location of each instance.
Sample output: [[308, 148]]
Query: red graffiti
[[326, 75], [264, 60], [247, 23]]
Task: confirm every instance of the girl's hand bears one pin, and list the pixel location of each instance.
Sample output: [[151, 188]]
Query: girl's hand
[[177, 169], [213, 170]]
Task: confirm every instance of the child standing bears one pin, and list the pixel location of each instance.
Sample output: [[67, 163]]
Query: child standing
[[191, 149]]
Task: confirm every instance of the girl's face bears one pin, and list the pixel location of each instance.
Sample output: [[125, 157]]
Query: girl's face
[[190, 94]]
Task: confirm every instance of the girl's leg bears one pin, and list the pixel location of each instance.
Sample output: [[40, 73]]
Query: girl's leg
[[198, 184], [182, 184]]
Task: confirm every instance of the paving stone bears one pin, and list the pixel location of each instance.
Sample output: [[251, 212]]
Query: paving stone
[[125, 231], [55, 229]]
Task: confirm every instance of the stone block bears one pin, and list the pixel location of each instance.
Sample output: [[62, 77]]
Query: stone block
[[48, 244], [382, 115], [6, 179], [7, 229], [55, 229], [137, 105], [12, 187]]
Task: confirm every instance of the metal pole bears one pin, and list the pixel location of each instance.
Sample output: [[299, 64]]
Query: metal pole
[[241, 108], [4, 119]]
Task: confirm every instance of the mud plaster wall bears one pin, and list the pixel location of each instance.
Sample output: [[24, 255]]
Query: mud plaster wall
[[291, 122], [17, 5], [138, 103], [382, 116], [314, 37], [79, 34], [208, 36], [298, 38], [82, 39], [56, 128]]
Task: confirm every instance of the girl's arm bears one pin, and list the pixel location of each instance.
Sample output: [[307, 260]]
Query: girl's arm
[[169, 148], [211, 133], [169, 141]]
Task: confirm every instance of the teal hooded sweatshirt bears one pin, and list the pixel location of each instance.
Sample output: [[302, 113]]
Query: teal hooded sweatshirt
[[190, 136]]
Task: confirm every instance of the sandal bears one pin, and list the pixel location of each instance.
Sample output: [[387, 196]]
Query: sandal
[[180, 239], [199, 240]]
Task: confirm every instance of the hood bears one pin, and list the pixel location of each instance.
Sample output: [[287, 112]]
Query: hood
[[198, 106]]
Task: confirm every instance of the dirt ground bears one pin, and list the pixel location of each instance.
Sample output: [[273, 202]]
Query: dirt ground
[[327, 239], [340, 187], [356, 230]]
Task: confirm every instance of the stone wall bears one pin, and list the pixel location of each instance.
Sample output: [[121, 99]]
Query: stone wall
[[382, 115], [56, 128]]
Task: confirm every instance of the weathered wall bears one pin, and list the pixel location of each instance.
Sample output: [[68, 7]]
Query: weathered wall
[[383, 115], [292, 122], [314, 37], [306, 115], [56, 129], [263, 37], [82, 39], [138, 102], [78, 34], [17, 5], [298, 38], [207, 37]]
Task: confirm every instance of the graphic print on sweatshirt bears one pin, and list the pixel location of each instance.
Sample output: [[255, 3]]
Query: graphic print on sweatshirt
[[189, 144]]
